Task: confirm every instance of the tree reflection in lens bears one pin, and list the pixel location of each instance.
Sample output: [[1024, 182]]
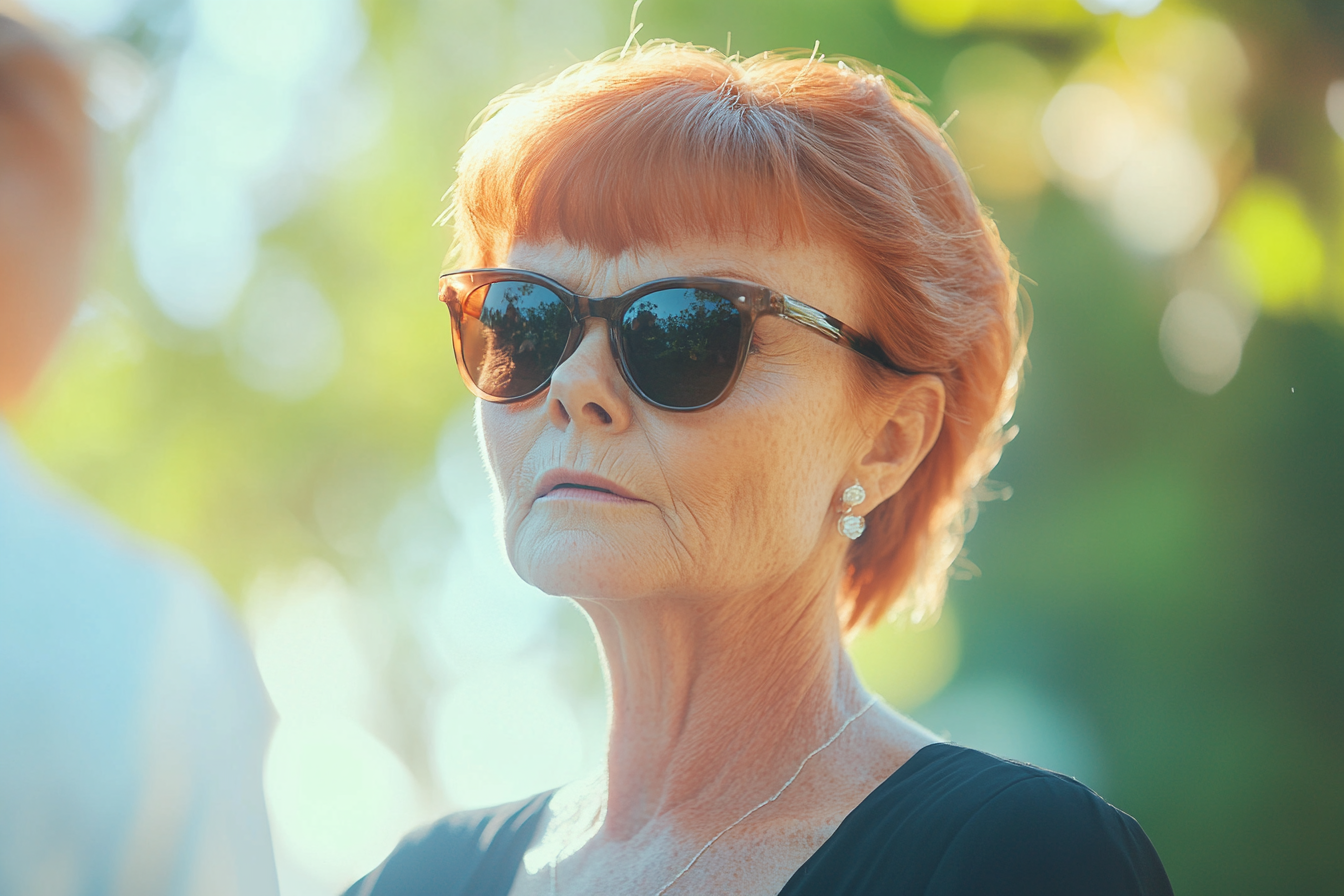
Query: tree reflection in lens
[[682, 344], [514, 344]]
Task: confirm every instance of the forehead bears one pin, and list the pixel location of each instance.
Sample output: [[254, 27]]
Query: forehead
[[820, 275]]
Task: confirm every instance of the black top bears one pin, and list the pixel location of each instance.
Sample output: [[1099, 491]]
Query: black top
[[951, 820]]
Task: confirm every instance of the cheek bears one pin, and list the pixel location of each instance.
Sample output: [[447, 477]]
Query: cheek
[[754, 485], [505, 435]]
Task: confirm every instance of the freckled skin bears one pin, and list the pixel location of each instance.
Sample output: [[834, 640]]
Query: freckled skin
[[713, 596]]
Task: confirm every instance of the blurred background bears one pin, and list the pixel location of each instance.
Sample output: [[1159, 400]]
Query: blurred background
[[261, 376]]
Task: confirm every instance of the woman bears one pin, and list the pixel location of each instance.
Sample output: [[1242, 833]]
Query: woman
[[744, 342]]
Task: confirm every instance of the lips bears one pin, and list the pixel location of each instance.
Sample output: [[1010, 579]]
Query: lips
[[577, 482], [605, 491]]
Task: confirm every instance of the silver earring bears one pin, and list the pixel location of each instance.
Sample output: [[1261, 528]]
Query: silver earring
[[851, 524]]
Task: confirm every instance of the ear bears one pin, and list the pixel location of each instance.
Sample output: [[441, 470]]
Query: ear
[[913, 419]]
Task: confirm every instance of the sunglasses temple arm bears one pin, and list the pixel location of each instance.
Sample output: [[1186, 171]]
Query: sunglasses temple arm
[[835, 330]]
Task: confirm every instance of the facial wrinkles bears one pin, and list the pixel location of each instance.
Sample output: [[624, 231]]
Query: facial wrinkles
[[583, 447], [695, 511], [741, 489], [691, 509], [748, 442], [736, 516], [678, 507]]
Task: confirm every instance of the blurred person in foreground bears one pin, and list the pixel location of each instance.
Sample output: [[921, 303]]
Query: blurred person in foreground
[[743, 343], [132, 718]]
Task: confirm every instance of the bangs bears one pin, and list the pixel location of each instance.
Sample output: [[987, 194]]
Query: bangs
[[671, 146]]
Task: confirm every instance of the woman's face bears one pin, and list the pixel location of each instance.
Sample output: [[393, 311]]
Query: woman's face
[[741, 497]]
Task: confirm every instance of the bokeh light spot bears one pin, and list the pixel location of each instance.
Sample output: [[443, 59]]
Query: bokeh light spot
[[937, 16], [1128, 7], [1276, 250], [950, 16], [1165, 196], [1089, 130], [83, 16], [287, 340], [1193, 57], [1334, 106], [908, 664], [282, 42], [1201, 339], [120, 83], [192, 234], [998, 91]]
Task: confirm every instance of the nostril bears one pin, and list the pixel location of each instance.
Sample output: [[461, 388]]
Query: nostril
[[597, 413]]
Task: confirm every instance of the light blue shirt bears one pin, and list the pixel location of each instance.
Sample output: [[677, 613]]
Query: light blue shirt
[[133, 724]]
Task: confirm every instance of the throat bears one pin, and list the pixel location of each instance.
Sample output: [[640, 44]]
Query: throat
[[705, 720]]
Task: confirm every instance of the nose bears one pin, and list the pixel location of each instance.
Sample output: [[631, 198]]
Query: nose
[[587, 389]]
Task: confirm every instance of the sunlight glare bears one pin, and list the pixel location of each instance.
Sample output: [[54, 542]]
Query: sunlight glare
[[339, 798], [504, 734]]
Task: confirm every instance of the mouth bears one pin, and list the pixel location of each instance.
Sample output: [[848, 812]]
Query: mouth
[[590, 488], [577, 486]]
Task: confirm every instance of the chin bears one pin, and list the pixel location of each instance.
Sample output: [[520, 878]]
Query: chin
[[586, 564]]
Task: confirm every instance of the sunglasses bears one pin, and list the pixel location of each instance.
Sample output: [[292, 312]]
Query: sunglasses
[[680, 343]]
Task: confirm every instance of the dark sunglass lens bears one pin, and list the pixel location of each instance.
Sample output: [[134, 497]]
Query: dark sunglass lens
[[681, 345], [513, 334]]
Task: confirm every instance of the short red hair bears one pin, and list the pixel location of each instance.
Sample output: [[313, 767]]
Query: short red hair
[[668, 140]]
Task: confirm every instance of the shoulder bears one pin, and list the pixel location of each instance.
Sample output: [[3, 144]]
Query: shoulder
[[1040, 832], [118, 659], [474, 852], [62, 556], [70, 574], [79, 592], [955, 820]]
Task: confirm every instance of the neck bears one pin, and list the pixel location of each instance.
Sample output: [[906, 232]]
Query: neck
[[715, 703]]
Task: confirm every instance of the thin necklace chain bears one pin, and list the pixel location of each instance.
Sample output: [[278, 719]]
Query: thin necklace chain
[[695, 858]]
